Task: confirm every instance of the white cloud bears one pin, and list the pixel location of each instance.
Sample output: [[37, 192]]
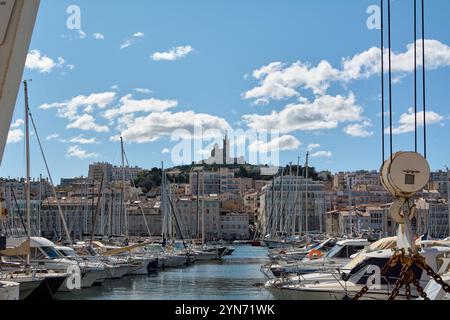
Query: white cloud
[[126, 44], [313, 146], [143, 90], [98, 36], [86, 122], [165, 151], [129, 42], [17, 124], [69, 109], [367, 63], [322, 154], [138, 35], [52, 136], [41, 63], [15, 136], [278, 81], [359, 129], [77, 152], [156, 125], [82, 140], [82, 34], [286, 142], [173, 54], [406, 122], [129, 105], [266, 70], [326, 112]]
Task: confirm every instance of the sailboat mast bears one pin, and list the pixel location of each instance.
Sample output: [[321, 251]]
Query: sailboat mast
[[163, 206], [203, 221], [297, 182], [40, 204], [123, 189], [27, 181], [198, 204], [306, 195], [448, 199]]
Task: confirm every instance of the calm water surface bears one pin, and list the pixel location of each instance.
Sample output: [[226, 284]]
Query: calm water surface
[[236, 277]]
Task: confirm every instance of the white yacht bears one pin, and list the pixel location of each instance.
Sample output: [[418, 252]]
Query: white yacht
[[9, 290], [345, 283], [27, 282], [37, 284], [295, 254], [43, 254], [115, 269], [166, 259], [433, 289], [341, 253], [91, 272]]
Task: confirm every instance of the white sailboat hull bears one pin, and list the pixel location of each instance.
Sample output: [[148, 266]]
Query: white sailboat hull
[[117, 272], [173, 261], [9, 291]]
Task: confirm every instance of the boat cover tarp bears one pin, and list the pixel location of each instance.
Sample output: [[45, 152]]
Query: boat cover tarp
[[22, 249], [125, 249]]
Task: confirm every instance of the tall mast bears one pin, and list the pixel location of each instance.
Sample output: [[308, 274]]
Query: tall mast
[[40, 206], [280, 216], [163, 206], [448, 199], [203, 221], [297, 182], [198, 205], [306, 195], [271, 219], [350, 209], [27, 181], [125, 217]]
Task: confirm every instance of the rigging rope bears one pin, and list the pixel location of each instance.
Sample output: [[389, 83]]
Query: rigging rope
[[382, 85], [390, 77], [423, 83], [415, 75], [49, 176]]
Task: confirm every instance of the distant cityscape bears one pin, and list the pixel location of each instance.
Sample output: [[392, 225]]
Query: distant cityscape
[[234, 207]]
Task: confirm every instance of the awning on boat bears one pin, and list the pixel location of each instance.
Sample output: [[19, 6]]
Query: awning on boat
[[383, 244], [22, 249], [125, 249]]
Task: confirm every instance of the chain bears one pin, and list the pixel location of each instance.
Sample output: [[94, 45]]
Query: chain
[[390, 264], [408, 292], [421, 263], [402, 279], [407, 276], [392, 261], [363, 291], [420, 290]]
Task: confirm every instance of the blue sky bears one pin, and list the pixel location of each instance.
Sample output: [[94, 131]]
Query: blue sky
[[207, 53]]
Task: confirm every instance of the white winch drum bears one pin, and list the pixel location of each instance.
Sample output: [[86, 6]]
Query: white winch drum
[[383, 177], [406, 174]]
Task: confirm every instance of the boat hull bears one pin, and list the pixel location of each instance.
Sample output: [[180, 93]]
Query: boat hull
[[27, 288], [48, 288], [9, 291]]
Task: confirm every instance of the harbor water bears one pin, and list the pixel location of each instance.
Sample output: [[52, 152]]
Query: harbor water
[[236, 277]]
